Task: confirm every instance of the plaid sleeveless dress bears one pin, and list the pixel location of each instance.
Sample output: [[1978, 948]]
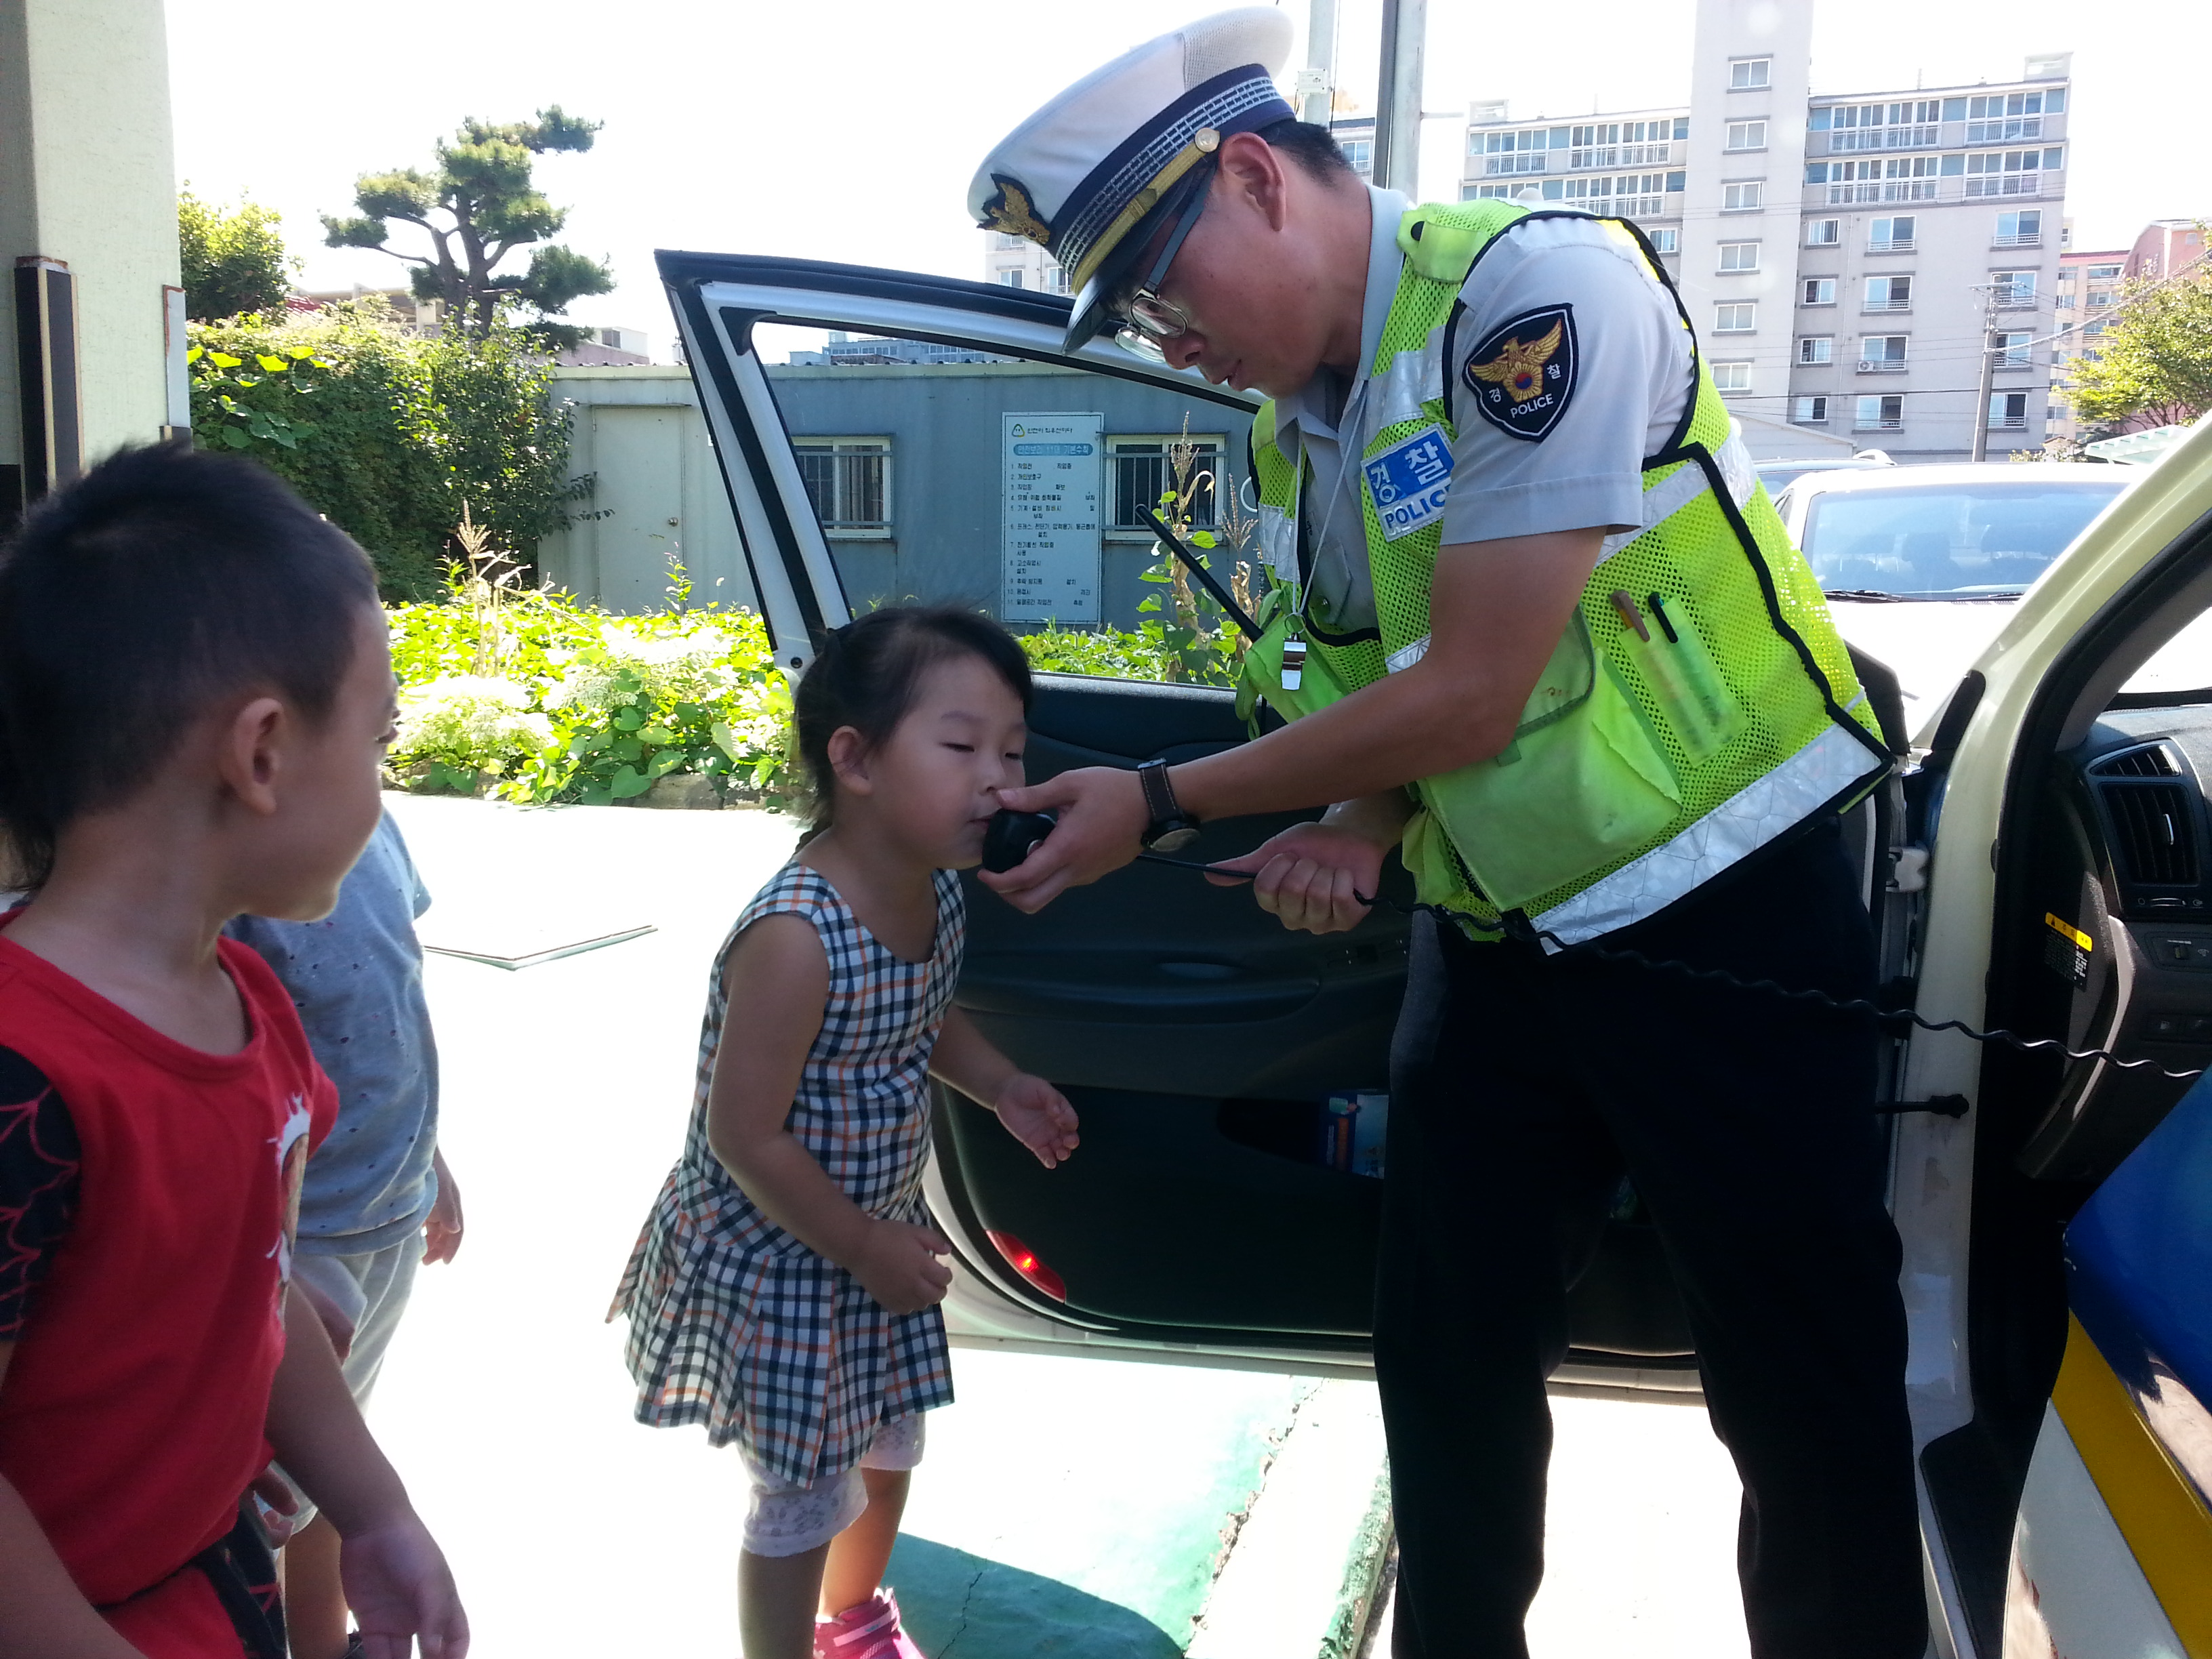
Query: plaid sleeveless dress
[[736, 1324]]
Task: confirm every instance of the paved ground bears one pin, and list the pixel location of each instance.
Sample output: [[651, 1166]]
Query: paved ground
[[1069, 1508]]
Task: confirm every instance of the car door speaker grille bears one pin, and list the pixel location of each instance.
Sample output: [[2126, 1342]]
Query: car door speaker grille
[[2153, 837]]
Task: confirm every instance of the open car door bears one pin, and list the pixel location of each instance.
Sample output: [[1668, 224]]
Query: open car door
[[2059, 1229], [1216, 1060]]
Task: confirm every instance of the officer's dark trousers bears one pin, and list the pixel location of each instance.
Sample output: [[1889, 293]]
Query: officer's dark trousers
[[1522, 1087]]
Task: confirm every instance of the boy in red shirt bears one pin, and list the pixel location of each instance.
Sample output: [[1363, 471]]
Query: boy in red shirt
[[195, 697]]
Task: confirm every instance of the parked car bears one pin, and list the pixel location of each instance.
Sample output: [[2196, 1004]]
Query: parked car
[[2044, 865], [1778, 476], [1922, 564]]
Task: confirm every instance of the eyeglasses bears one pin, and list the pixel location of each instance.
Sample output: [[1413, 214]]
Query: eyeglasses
[[1149, 320]]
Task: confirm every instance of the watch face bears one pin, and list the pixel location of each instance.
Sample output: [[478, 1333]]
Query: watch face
[[1174, 840]]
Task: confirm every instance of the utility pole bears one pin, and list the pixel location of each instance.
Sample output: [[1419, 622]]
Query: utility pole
[[1316, 85], [1990, 292], [1398, 95]]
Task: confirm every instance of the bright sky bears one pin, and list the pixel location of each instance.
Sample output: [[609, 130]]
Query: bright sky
[[848, 130]]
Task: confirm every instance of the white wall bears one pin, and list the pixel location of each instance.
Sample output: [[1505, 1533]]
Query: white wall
[[658, 494], [87, 177]]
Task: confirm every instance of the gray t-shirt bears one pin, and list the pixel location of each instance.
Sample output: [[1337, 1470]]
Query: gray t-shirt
[[356, 978]]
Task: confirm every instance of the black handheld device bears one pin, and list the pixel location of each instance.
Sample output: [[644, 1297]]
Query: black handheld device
[[1012, 836]]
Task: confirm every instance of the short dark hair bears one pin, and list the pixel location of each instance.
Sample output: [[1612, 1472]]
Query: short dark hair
[[134, 600], [867, 673], [1314, 148]]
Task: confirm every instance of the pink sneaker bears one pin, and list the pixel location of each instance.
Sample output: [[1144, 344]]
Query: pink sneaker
[[870, 1630]]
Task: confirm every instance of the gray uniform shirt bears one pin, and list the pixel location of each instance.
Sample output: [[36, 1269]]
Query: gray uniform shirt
[[1622, 360], [356, 978]]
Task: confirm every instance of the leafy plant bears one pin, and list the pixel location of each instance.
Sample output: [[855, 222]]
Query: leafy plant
[[1194, 636], [233, 259], [480, 205], [524, 693], [392, 436], [2153, 362]]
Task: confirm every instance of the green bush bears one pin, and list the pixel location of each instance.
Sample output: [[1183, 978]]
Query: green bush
[[392, 435], [527, 694]]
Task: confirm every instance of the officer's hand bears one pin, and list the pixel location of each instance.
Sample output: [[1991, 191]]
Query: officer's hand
[[1102, 817], [1309, 876]]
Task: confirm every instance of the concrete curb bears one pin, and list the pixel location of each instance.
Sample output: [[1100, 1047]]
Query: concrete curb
[[1302, 1568]]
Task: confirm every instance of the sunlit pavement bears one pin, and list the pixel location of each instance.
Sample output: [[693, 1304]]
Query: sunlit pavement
[[1072, 1508]]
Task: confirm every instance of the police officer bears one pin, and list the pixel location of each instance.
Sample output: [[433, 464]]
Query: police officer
[[1535, 624]]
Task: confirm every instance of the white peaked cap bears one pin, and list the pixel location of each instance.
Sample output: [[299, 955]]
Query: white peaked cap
[[1088, 175]]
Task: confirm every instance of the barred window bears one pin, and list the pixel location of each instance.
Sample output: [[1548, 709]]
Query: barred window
[[848, 483], [1143, 471]]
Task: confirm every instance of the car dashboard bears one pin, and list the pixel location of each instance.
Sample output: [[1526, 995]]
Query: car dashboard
[[2122, 874]]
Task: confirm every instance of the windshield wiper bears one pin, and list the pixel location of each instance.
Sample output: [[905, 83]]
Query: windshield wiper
[[1942, 595], [1871, 595]]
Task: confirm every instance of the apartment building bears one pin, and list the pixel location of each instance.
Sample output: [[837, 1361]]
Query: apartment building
[[1841, 253], [2088, 286]]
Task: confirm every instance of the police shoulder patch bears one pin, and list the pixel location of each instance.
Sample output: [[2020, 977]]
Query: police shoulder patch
[[1523, 373]]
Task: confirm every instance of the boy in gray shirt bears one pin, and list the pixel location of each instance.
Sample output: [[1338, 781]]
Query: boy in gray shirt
[[377, 1198]]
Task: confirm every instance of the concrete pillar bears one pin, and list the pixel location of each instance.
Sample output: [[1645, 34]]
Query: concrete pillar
[[89, 219]]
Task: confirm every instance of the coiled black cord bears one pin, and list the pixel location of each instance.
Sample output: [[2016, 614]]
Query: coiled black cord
[[1764, 987]]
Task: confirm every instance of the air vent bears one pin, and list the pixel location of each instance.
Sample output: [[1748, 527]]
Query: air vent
[[2151, 761], [2153, 842]]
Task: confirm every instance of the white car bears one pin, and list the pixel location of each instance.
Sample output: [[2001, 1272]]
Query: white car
[[1922, 564]]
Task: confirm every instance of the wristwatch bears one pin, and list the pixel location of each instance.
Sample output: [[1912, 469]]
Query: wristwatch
[[1171, 827]]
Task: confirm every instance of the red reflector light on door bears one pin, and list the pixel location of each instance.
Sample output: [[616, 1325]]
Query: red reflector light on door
[[1023, 1260]]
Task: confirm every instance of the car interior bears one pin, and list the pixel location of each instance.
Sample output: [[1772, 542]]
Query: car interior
[[2102, 940]]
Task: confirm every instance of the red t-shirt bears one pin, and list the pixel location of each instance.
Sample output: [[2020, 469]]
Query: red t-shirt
[[132, 1416]]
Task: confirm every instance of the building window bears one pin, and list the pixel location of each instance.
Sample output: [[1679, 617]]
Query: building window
[[2012, 349], [1665, 242], [1819, 291], [2014, 289], [2102, 273], [1011, 278], [1891, 235], [1738, 317], [2002, 117], [1742, 197], [1810, 412], [2021, 229], [1823, 232], [2008, 171], [1815, 348], [1731, 377], [1055, 279], [1624, 195], [1746, 134], [1879, 414], [1738, 255], [847, 483], [2009, 412], [1908, 125], [1889, 294], [1360, 152], [1143, 471], [1882, 354], [1747, 73], [2102, 299]]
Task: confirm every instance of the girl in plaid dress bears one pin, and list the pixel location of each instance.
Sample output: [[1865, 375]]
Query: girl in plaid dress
[[784, 1291]]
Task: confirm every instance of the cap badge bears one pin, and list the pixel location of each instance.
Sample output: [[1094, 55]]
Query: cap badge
[[1009, 210], [1206, 140]]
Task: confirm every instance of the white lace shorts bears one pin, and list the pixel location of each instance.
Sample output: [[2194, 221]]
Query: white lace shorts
[[785, 1520]]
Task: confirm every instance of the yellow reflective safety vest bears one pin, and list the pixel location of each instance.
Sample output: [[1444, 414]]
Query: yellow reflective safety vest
[[1699, 705]]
